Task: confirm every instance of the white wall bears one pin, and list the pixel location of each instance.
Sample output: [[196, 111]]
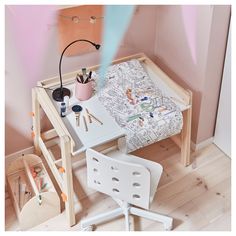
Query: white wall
[[223, 124]]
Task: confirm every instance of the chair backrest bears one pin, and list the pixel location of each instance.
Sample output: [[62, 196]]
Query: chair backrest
[[123, 180]]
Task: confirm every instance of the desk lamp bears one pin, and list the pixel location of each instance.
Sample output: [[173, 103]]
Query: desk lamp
[[59, 93]]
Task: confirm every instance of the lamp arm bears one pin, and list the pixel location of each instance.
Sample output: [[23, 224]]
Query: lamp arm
[[97, 46]]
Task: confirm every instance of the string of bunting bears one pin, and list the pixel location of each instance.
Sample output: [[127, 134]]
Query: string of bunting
[[77, 19]]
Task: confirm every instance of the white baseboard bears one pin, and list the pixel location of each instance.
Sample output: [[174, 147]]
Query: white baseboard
[[196, 147]]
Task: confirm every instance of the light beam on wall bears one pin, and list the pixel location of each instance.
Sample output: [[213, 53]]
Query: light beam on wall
[[29, 25], [189, 14], [116, 21]]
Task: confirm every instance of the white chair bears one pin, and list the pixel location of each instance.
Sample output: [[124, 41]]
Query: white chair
[[129, 180]]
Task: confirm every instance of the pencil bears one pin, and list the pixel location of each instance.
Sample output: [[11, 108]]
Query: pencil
[[88, 115], [85, 124], [77, 117], [95, 118]]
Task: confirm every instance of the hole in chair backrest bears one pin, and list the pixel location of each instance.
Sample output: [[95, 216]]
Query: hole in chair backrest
[[114, 168], [95, 159], [115, 190], [136, 185], [95, 170], [115, 179], [97, 182], [136, 196], [136, 173]]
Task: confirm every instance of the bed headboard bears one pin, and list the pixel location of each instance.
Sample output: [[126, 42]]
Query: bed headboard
[[80, 22]]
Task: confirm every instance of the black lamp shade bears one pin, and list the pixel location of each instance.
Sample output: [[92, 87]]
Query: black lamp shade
[[59, 94]]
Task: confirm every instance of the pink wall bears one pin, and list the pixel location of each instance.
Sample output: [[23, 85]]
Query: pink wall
[[181, 39], [213, 72], [26, 65], [190, 46]]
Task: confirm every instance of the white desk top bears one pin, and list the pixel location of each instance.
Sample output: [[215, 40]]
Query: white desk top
[[97, 134]]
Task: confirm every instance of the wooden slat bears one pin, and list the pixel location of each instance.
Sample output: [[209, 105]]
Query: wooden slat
[[178, 89], [48, 157], [30, 177], [49, 134], [186, 135], [13, 199], [36, 120], [99, 148], [67, 179]]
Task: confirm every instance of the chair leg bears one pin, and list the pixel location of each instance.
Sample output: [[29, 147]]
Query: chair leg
[[126, 213], [127, 223], [101, 218], [167, 221], [125, 206]]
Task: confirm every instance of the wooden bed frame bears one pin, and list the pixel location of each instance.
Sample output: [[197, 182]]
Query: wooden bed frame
[[40, 99]]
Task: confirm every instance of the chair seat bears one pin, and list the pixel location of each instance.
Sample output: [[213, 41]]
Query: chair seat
[[154, 168]]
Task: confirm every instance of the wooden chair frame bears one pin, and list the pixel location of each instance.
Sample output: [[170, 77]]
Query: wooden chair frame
[[40, 99]]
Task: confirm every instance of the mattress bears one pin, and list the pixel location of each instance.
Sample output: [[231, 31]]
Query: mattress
[[138, 105]]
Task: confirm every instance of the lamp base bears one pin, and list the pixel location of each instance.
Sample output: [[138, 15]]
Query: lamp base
[[57, 96]]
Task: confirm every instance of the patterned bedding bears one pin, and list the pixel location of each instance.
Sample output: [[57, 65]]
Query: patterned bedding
[[138, 105]]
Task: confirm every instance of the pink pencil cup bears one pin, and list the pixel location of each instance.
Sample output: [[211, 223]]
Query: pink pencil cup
[[83, 91]]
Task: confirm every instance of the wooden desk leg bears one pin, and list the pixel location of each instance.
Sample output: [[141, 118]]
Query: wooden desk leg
[[186, 135], [36, 121], [67, 180]]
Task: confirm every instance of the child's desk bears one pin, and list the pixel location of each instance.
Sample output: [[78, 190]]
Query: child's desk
[[73, 142]]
